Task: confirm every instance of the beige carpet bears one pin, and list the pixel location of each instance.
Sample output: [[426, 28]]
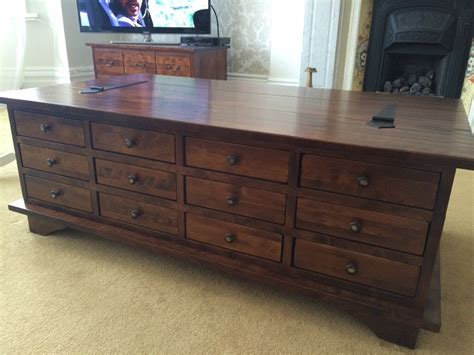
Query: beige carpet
[[74, 293]]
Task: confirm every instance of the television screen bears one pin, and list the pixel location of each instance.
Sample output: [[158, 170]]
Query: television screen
[[157, 16]]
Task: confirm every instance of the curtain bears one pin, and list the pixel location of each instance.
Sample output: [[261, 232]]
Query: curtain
[[12, 44]]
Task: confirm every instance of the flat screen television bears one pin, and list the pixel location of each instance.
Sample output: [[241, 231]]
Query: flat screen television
[[137, 16]]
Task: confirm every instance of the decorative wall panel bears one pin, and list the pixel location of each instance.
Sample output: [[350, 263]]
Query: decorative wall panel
[[468, 88], [248, 23]]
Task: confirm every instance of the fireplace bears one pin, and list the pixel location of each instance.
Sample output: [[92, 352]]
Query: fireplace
[[419, 47]]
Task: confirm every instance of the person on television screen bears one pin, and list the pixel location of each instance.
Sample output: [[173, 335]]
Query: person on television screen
[[128, 13]]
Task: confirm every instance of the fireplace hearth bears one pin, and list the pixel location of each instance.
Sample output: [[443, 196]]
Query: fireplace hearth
[[419, 47]]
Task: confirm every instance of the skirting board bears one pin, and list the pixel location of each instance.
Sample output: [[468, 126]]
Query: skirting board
[[42, 76]]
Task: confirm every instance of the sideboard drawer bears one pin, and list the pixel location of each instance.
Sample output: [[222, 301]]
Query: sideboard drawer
[[58, 193], [173, 69], [144, 144], [380, 229], [138, 62], [108, 62], [135, 178], [234, 237], [387, 183], [181, 60], [268, 164], [361, 268], [139, 213], [55, 161], [245, 201], [50, 128]]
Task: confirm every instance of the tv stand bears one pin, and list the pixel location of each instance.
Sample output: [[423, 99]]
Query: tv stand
[[123, 58]]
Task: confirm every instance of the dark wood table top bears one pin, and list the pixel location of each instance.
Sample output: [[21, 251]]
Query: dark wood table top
[[425, 126]]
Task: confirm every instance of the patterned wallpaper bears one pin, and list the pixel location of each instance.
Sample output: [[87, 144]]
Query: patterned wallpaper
[[468, 88], [248, 23]]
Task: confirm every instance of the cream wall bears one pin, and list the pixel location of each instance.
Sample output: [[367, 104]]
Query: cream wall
[[55, 49]]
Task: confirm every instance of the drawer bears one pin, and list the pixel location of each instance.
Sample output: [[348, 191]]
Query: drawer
[[245, 201], [268, 164], [55, 161], [380, 182], [144, 144], [173, 69], [138, 179], [49, 128], [234, 237], [360, 268], [137, 62], [380, 229], [108, 62], [183, 61], [139, 213], [58, 193]]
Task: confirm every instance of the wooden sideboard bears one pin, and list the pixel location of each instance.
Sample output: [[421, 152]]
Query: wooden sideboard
[[283, 185], [123, 59]]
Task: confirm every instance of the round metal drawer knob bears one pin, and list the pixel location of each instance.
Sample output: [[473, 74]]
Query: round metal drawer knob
[[135, 213], [229, 238], [363, 181], [129, 143], [233, 159], [133, 179], [54, 194], [232, 200], [351, 269], [355, 226], [51, 162], [44, 127]]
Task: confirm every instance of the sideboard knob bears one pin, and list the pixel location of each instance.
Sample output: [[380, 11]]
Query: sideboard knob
[[232, 200], [133, 179], [51, 162], [129, 143], [229, 238], [233, 159], [355, 226], [135, 213], [363, 181], [54, 194], [351, 269], [44, 127]]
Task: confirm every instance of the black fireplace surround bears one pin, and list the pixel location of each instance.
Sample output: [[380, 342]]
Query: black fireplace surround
[[415, 37]]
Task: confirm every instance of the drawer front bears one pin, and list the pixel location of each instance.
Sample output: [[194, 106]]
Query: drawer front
[[138, 179], [144, 144], [380, 229], [360, 268], [139, 213], [268, 164], [245, 201], [108, 62], [173, 70], [49, 128], [183, 61], [55, 161], [60, 194], [137, 62], [386, 183], [234, 237]]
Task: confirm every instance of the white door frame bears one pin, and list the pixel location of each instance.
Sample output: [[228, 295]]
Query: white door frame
[[320, 39]]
